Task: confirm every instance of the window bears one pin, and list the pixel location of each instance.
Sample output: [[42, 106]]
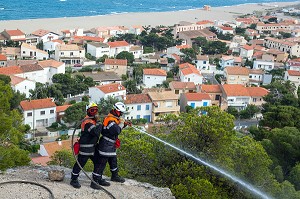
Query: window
[[138, 117], [29, 114], [147, 107], [71, 53], [176, 91], [204, 62], [51, 111], [139, 107], [62, 53], [169, 103], [23, 52], [193, 105], [217, 97], [42, 112], [254, 99]]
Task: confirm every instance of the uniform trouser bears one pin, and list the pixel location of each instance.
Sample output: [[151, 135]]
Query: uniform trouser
[[82, 159], [112, 161]]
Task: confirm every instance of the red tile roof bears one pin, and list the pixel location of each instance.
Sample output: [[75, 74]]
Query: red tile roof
[[41, 160], [11, 70], [187, 69], [50, 63], [14, 32], [120, 62], [62, 108], [197, 96], [183, 85], [137, 99], [226, 28], [293, 72], [52, 147], [204, 22], [257, 91], [235, 90], [40, 32], [154, 71], [117, 44], [3, 57], [89, 38], [111, 88], [185, 65], [37, 104], [16, 80], [31, 67], [211, 88], [237, 70], [183, 46], [58, 41], [247, 47]]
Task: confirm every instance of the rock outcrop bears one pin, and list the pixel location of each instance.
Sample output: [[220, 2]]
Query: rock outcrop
[[131, 189]]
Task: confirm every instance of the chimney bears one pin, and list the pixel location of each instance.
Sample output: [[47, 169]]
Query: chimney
[[59, 142]]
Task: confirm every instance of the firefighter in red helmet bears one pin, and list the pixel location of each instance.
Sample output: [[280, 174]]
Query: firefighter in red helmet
[[90, 133], [109, 142]]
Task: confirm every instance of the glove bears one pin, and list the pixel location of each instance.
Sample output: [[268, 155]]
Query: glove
[[127, 123]]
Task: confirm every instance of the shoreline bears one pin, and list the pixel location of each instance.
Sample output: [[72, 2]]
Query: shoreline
[[126, 19]]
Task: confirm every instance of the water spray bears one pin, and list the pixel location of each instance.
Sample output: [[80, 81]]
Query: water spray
[[246, 185]]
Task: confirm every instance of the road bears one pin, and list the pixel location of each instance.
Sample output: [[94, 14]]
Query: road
[[210, 77]]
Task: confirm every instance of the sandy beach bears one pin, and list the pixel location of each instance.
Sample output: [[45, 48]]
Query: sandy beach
[[150, 18]]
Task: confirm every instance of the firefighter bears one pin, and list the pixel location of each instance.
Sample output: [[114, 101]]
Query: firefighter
[[90, 132], [109, 142]]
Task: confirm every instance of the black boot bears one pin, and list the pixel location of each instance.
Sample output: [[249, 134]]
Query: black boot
[[100, 181], [74, 181], [115, 177]]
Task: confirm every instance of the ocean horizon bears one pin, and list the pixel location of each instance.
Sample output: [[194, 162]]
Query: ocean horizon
[[36, 9]]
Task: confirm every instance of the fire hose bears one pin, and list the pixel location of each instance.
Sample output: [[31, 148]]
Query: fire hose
[[85, 173]]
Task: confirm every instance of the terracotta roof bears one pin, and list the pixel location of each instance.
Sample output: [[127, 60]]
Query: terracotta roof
[[154, 71], [226, 28], [163, 95], [183, 46], [237, 59], [236, 70], [247, 47], [256, 71], [31, 67], [204, 22], [177, 57], [185, 65], [69, 47], [37, 104], [50, 63], [235, 90], [135, 48], [40, 32], [16, 80], [20, 62], [197, 96], [11, 70], [187, 69], [52, 147], [202, 57], [11, 50], [122, 62], [89, 38], [41, 160], [183, 85], [58, 41], [117, 44], [226, 58], [3, 57], [111, 88], [211, 88], [14, 32], [62, 108], [137, 99], [293, 72], [257, 91]]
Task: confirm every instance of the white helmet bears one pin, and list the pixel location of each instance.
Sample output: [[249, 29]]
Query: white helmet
[[119, 106]]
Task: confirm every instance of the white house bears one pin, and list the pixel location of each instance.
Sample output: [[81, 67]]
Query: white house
[[103, 91], [176, 49], [50, 46], [226, 61], [202, 62], [264, 65], [235, 95], [29, 51], [38, 113], [188, 73], [137, 30], [194, 100], [256, 76], [293, 76], [22, 85], [153, 77], [52, 67], [45, 35], [3, 60], [69, 54], [118, 46], [97, 49], [225, 30], [137, 51], [246, 51], [139, 106]]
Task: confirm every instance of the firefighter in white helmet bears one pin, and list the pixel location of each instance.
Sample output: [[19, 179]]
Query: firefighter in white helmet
[[90, 133], [109, 142]]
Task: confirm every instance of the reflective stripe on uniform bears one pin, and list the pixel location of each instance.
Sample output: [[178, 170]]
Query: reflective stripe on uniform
[[93, 126], [108, 139], [75, 174], [84, 153], [86, 145], [107, 153], [110, 125], [96, 174], [114, 169]]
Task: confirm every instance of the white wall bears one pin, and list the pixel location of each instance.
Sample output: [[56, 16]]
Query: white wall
[[152, 80], [133, 112], [24, 87], [191, 78], [34, 120], [97, 51], [265, 65], [37, 76], [115, 51]]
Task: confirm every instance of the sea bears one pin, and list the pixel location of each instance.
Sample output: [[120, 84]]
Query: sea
[[33, 9]]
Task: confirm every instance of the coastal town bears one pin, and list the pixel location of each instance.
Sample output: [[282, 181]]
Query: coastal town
[[155, 71]]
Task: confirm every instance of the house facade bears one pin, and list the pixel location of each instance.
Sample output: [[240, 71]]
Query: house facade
[[214, 92], [119, 66], [256, 76], [104, 91], [246, 51], [3, 60], [293, 76], [194, 100], [22, 85], [70, 54], [264, 65], [117, 46], [153, 77], [236, 75], [257, 94], [97, 49], [45, 35], [189, 73], [235, 95], [202, 63], [39, 113], [29, 51], [182, 87], [139, 106]]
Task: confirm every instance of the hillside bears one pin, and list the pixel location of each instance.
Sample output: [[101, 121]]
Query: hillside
[[131, 189]]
